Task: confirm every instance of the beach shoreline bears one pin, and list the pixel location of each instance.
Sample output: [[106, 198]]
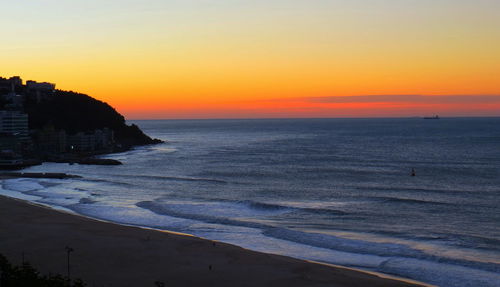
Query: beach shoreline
[[109, 254]]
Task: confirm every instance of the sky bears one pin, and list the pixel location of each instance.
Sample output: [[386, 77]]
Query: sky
[[158, 59]]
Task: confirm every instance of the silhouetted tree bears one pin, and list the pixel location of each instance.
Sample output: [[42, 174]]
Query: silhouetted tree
[[27, 276]]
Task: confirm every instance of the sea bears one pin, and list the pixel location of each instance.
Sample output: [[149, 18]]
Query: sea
[[337, 191]]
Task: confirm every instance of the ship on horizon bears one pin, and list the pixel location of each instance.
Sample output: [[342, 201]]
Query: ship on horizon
[[436, 117]]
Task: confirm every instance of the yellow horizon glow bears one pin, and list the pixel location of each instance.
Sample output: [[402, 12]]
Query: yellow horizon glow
[[172, 59]]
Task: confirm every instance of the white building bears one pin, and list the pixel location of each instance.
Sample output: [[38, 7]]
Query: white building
[[32, 85], [14, 123]]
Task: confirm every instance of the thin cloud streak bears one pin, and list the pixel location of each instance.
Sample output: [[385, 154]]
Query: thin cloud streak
[[421, 99]]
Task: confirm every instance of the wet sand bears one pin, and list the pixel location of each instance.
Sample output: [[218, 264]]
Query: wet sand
[[107, 254]]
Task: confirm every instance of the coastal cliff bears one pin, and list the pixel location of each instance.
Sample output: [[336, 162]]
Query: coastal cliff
[[76, 112], [41, 123]]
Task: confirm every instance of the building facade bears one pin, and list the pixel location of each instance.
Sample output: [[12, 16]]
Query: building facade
[[98, 140], [50, 141], [14, 123]]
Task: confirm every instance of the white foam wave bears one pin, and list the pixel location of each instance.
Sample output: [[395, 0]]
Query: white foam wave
[[22, 185]]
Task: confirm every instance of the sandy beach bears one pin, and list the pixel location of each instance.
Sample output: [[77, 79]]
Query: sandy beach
[[107, 254]]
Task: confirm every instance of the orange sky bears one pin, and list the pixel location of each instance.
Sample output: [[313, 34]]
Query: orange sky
[[203, 59]]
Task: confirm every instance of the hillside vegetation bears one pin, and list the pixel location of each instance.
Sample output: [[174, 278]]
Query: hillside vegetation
[[75, 112]]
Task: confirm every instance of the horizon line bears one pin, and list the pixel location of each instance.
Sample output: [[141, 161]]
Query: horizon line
[[305, 118]]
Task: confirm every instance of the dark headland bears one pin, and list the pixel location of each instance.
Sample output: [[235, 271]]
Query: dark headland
[[41, 123]]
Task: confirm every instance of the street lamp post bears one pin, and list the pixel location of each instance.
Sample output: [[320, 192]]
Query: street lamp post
[[68, 251]]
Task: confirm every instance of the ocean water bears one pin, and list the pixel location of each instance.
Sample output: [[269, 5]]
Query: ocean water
[[331, 190]]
